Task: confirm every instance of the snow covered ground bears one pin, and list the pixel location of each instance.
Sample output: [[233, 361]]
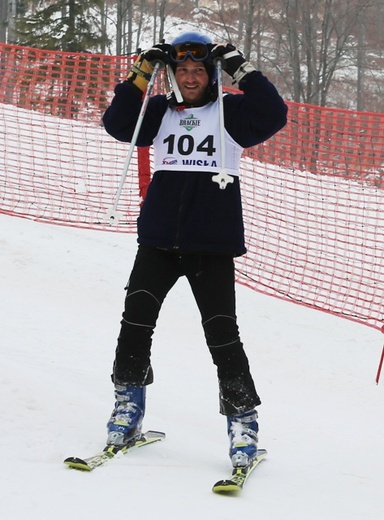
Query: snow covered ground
[[322, 418]]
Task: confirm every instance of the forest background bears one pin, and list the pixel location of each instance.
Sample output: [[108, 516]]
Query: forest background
[[320, 52]]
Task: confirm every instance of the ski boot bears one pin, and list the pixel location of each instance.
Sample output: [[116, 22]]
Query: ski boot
[[125, 422], [242, 432]]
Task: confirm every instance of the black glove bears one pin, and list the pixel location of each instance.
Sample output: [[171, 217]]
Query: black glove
[[234, 62], [232, 58], [158, 52]]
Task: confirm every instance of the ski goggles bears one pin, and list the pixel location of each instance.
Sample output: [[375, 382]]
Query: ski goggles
[[196, 51]]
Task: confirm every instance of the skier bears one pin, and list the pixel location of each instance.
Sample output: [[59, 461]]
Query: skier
[[189, 225]]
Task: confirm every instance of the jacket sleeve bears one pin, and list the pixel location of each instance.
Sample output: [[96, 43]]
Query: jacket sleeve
[[255, 115], [121, 116]]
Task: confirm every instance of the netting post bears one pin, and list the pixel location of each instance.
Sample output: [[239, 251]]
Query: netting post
[[144, 170], [381, 362]]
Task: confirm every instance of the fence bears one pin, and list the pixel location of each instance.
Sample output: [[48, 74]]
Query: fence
[[313, 194]]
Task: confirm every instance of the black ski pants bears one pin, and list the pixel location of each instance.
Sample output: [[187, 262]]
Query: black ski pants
[[212, 280]]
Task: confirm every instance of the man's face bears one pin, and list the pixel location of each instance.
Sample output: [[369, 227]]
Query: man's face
[[192, 80]]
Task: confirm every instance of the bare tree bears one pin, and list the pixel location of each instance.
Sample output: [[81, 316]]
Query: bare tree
[[249, 26], [162, 19], [320, 40], [360, 64], [143, 5], [3, 20]]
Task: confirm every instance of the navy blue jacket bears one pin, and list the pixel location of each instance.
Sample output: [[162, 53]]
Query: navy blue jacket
[[187, 212]]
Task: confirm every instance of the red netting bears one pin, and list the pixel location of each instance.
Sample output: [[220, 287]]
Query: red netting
[[313, 194]]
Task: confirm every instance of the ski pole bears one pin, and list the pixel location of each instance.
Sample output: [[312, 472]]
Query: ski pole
[[221, 178], [174, 86], [112, 214]]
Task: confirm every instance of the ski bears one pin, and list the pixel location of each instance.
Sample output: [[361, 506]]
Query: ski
[[239, 476], [109, 452]]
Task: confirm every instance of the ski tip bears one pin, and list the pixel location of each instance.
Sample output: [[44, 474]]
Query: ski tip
[[262, 453], [226, 486], [235, 483], [154, 433], [76, 463]]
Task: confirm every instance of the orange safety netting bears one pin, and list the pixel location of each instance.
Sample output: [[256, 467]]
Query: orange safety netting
[[313, 194]]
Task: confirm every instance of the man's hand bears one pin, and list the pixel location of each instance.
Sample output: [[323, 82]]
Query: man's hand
[[141, 71], [234, 62], [158, 52]]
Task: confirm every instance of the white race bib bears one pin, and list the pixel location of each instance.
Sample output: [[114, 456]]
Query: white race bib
[[189, 140]]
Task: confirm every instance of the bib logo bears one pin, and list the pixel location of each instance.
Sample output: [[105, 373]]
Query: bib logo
[[169, 160], [190, 122]]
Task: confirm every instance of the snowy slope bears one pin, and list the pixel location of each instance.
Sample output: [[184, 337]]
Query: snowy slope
[[322, 417]]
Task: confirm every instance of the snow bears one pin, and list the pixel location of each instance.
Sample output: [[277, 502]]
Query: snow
[[322, 417]]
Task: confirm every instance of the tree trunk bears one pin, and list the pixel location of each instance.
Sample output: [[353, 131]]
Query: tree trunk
[[250, 10]]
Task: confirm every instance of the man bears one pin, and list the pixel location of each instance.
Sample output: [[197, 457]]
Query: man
[[190, 225]]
